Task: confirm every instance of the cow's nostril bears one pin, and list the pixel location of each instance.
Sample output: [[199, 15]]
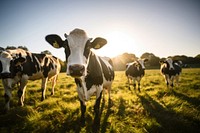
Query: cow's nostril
[[76, 70]]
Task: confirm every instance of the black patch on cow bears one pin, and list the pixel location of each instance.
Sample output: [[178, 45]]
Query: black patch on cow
[[33, 63], [1, 67], [87, 49], [94, 76], [177, 70], [78, 82], [107, 71], [67, 49], [135, 70], [48, 65]]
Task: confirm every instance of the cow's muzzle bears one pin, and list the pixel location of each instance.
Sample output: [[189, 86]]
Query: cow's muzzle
[[6, 75], [76, 70]]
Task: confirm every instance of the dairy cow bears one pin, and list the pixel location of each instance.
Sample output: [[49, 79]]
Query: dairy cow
[[91, 72], [19, 66], [135, 71], [171, 70]]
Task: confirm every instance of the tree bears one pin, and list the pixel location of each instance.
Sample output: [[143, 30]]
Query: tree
[[23, 47], [153, 61], [46, 52]]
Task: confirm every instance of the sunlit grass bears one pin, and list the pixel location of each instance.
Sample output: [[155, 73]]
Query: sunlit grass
[[155, 109]]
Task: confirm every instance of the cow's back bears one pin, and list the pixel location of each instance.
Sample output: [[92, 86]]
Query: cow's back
[[107, 68], [133, 71], [38, 66]]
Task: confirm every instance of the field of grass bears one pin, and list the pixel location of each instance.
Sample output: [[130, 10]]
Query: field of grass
[[156, 109]]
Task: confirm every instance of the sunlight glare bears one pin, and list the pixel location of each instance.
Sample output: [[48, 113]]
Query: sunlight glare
[[118, 42]]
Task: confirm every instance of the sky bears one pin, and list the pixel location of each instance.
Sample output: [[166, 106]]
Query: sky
[[162, 27]]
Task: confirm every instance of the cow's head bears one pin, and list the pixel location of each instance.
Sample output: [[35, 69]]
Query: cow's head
[[141, 62], [168, 62], [9, 65], [77, 50]]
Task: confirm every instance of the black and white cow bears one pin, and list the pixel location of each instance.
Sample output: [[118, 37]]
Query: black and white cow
[[19, 66], [171, 71], [135, 71], [91, 72]]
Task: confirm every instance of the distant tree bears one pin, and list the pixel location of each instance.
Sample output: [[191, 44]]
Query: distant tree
[[153, 61], [23, 47], [198, 56], [10, 47], [120, 61], [46, 52], [1, 49]]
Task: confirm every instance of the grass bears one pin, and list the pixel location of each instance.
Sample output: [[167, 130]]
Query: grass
[[156, 109]]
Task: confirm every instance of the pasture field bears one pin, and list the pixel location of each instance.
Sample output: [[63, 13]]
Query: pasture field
[[156, 109]]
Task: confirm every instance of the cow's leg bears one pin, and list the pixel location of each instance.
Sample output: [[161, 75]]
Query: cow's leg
[[128, 83], [177, 80], [172, 82], [83, 109], [167, 80], [138, 80], [96, 125], [44, 84], [53, 84], [134, 84], [21, 91], [97, 104], [7, 95]]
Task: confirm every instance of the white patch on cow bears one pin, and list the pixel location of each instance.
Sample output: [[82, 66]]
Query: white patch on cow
[[77, 40], [85, 95], [170, 62], [141, 61], [5, 59]]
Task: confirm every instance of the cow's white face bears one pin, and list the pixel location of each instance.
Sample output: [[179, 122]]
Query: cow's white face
[[5, 59], [141, 62], [77, 50], [170, 63], [9, 64]]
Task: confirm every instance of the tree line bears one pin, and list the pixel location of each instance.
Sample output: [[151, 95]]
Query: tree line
[[119, 62]]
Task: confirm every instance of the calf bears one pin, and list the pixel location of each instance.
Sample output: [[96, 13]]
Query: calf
[[135, 71], [171, 71], [19, 66], [90, 71]]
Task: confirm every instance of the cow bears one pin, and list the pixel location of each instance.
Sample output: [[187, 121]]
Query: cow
[[92, 73], [135, 71], [171, 70], [19, 66]]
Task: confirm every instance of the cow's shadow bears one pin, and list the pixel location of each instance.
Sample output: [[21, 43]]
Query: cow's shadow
[[192, 100], [94, 123], [168, 120]]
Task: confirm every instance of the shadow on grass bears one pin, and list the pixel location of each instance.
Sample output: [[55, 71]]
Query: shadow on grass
[[105, 123], [192, 100], [168, 120]]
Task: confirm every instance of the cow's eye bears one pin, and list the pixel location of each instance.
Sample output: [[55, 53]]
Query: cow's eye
[[87, 49]]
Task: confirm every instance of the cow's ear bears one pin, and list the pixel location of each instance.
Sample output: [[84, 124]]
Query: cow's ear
[[98, 43], [145, 59], [55, 40], [161, 61]]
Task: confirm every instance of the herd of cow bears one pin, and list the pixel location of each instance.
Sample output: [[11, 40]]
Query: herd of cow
[[92, 73]]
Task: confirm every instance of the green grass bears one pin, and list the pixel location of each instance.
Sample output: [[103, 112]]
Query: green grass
[[156, 109]]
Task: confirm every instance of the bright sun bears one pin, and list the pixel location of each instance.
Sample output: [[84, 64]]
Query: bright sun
[[118, 43]]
